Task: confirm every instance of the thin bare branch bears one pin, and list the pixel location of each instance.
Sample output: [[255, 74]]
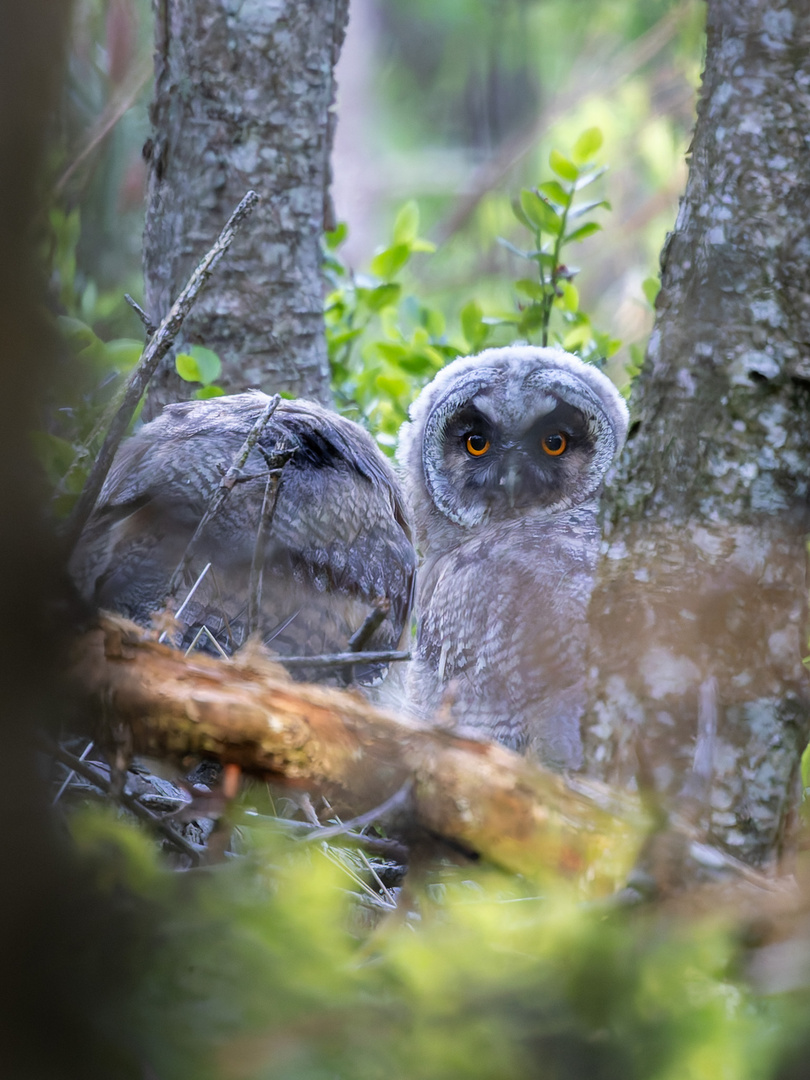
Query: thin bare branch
[[221, 493], [156, 348], [271, 492], [204, 630], [327, 660], [92, 774], [188, 599], [396, 802], [148, 325], [72, 772], [372, 622]]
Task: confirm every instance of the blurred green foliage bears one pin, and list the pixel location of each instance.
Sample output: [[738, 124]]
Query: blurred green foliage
[[92, 372], [257, 969], [383, 344]]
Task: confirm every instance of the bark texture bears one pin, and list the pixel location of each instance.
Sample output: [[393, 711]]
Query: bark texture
[[699, 615], [243, 99]]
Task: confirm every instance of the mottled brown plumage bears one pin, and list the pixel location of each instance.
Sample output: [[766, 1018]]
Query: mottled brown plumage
[[339, 538]]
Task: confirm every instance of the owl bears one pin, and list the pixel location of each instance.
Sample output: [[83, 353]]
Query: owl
[[503, 460], [335, 543]]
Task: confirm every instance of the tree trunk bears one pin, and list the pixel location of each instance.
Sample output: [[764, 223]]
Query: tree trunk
[[699, 613], [243, 100]]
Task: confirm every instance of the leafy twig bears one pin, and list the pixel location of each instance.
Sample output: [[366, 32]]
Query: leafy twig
[[157, 347]]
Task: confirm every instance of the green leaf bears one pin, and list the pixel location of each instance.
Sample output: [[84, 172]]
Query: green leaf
[[77, 333], [533, 289], [517, 210], [420, 244], [588, 144], [577, 337], [806, 768], [383, 296], [433, 321], [85, 345], [532, 318], [336, 340], [421, 362], [562, 166], [389, 322], [651, 287], [390, 351], [508, 243], [406, 224], [585, 208], [124, 353], [540, 213], [553, 190], [55, 455], [390, 261], [206, 392], [186, 367], [544, 260], [569, 296], [335, 238], [393, 386], [584, 231], [587, 176], [472, 325], [208, 363]]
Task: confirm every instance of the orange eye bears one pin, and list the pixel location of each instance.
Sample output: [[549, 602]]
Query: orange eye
[[477, 444], [554, 443]]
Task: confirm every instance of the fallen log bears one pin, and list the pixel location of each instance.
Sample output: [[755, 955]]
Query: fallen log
[[248, 712]]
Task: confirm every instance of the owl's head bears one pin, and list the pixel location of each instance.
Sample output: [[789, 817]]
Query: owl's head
[[508, 432]]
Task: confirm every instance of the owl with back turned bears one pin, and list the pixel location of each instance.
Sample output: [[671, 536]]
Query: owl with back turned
[[333, 545], [503, 460]]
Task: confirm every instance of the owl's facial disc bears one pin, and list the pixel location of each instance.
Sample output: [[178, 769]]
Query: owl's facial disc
[[498, 472]]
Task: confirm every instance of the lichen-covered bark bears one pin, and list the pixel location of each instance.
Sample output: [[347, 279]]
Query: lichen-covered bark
[[243, 97], [699, 614]]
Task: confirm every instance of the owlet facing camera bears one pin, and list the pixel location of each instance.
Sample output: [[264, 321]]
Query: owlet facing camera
[[503, 460]]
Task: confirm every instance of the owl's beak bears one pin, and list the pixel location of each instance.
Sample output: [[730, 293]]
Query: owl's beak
[[510, 480]]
